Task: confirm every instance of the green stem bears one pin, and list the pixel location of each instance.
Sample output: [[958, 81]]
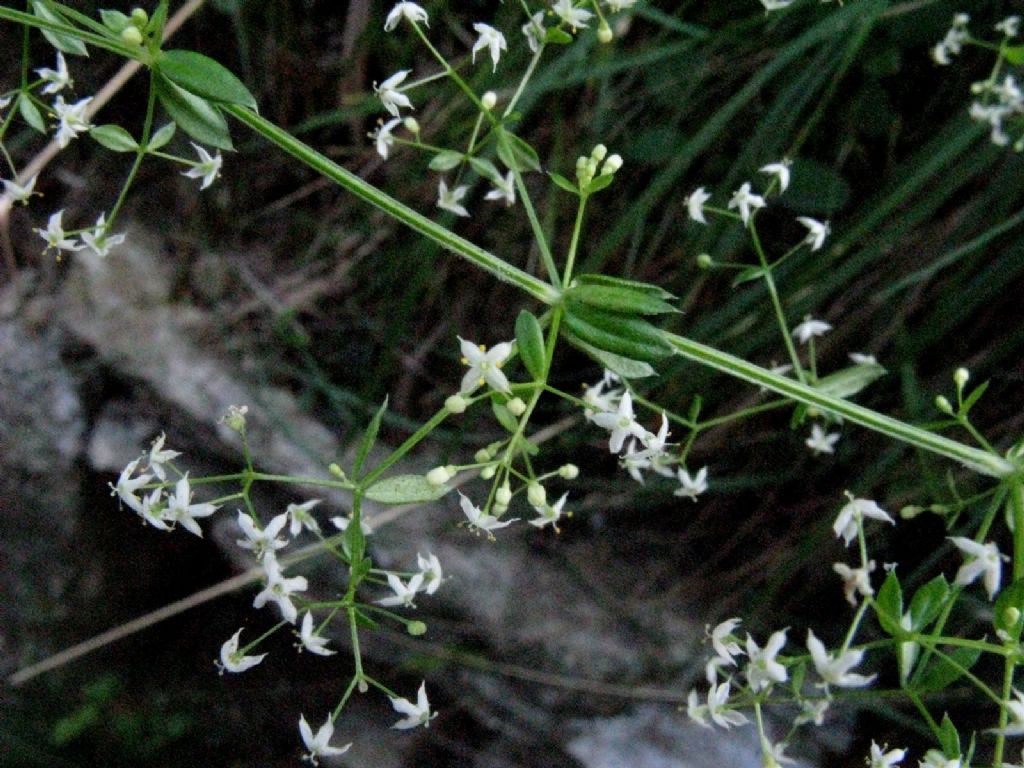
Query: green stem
[[1017, 508], [1009, 665], [140, 153], [417, 221], [576, 230], [31, 20], [780, 315]]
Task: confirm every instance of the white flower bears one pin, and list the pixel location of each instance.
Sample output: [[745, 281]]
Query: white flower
[[858, 358], [635, 461], [852, 515], [622, 423], [549, 514], [762, 668], [534, 32], [655, 444], [232, 660], [430, 567], [300, 517], [881, 759], [54, 235], [821, 441], [574, 17], [695, 204], [935, 759], [980, 560], [695, 710], [817, 231], [836, 670], [780, 171], [73, 120], [153, 509], [319, 745], [491, 39], [101, 243], [775, 5], [261, 542], [415, 714], [480, 520], [504, 189], [207, 169], [723, 641], [409, 11], [449, 200], [341, 523], [383, 137], [743, 199], [1015, 709], [180, 508], [718, 700], [279, 589], [773, 755], [1010, 26], [484, 366], [404, 591], [810, 328], [390, 97], [18, 193], [855, 580], [598, 400], [691, 487], [614, 6], [158, 456], [311, 641], [812, 711], [56, 80], [127, 485]]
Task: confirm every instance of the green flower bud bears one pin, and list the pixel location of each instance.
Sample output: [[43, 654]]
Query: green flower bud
[[604, 33], [1011, 616], [536, 495], [416, 628], [960, 376], [611, 165], [569, 471], [456, 404], [488, 472], [516, 406], [704, 261], [482, 456], [139, 17], [131, 35], [489, 99], [503, 495], [599, 153], [234, 419], [411, 125], [943, 405], [438, 476]]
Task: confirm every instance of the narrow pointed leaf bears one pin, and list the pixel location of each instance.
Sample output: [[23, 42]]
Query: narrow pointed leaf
[[369, 438], [194, 115], [530, 343], [202, 76]]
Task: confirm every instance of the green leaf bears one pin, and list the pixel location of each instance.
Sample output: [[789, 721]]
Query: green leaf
[[928, 602], [849, 381], [445, 160], [486, 169], [889, 604], [162, 136], [941, 671], [202, 76], [31, 114], [695, 407], [973, 398], [115, 21], [369, 438], [949, 739], [504, 416], [600, 183], [114, 137], [515, 153], [621, 282], [354, 545], [195, 116], [625, 367], [628, 300], [564, 183], [405, 489], [155, 27], [530, 343], [59, 40], [630, 327], [1009, 610], [746, 275], [364, 621], [557, 36], [1014, 54], [613, 342]]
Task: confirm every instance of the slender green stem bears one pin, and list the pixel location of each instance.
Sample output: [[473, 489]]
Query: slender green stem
[[780, 315], [140, 153], [1016, 502], [410, 443], [1009, 664], [417, 221], [100, 41], [576, 230], [531, 67]]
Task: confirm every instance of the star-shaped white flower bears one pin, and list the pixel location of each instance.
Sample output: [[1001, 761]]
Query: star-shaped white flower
[[408, 11], [484, 366], [852, 515], [622, 423], [390, 96], [261, 542], [746, 201], [724, 642], [450, 199], [1010, 26], [300, 517], [691, 487], [695, 204], [54, 235], [835, 670], [855, 580], [181, 510], [126, 486], [19, 193], [821, 441], [762, 669], [480, 520], [491, 39], [574, 17], [100, 242], [319, 745], [342, 523], [780, 171], [72, 119], [405, 592], [504, 189], [153, 509], [980, 560], [1015, 709], [879, 758], [56, 80], [549, 514], [311, 641], [232, 660], [775, 5], [207, 169], [415, 714], [810, 328], [534, 32], [933, 758], [279, 589], [718, 700], [430, 567], [817, 231], [383, 138]]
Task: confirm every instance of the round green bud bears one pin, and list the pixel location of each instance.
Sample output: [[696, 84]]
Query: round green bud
[[536, 495], [131, 35], [139, 17], [1011, 616], [943, 405], [337, 471], [482, 456], [234, 419], [416, 628], [488, 100], [604, 33], [911, 511], [516, 406], [569, 471], [599, 153], [438, 476], [960, 376], [611, 165], [411, 125], [488, 472], [704, 261], [503, 495], [456, 404]]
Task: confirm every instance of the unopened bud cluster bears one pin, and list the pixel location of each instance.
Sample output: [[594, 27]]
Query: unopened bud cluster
[[587, 167]]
